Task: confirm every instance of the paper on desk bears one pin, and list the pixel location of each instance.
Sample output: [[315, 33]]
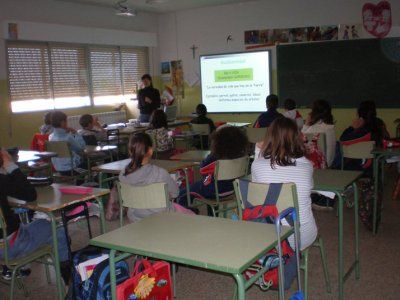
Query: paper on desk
[[330, 195], [393, 159]]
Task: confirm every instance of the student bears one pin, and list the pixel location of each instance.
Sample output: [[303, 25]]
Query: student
[[266, 118], [92, 131], [292, 113], [61, 132], [159, 129], [226, 143], [366, 127], [27, 237], [149, 99], [46, 128], [320, 120], [140, 171], [282, 160], [201, 111]]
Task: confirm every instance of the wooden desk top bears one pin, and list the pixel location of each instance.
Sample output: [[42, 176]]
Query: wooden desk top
[[117, 166], [192, 155], [334, 180], [386, 151], [211, 243], [49, 198]]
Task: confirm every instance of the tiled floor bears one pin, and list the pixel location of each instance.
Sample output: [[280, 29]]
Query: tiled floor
[[380, 263]]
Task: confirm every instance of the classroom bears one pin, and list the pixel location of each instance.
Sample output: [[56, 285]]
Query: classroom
[[166, 148]]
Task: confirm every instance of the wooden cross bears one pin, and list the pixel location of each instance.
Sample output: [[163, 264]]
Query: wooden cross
[[194, 48]]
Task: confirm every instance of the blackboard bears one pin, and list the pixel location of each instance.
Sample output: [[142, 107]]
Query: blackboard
[[342, 72]]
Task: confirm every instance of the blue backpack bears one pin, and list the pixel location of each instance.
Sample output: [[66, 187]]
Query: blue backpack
[[97, 287]]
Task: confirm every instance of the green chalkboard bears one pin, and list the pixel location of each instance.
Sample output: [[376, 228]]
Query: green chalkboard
[[342, 72]]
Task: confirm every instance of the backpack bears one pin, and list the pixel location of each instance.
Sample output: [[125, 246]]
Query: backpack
[[366, 203], [97, 286], [266, 213]]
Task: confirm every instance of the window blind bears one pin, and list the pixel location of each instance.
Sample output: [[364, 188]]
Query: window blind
[[135, 63], [105, 64], [69, 75], [29, 76]]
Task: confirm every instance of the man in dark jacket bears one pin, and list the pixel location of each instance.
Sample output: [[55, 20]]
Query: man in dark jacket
[[266, 118]]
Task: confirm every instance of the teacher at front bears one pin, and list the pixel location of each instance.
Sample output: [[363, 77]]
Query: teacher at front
[[149, 99]]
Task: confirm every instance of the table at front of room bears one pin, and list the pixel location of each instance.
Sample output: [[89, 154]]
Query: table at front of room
[[337, 181], [380, 154], [199, 241], [49, 200]]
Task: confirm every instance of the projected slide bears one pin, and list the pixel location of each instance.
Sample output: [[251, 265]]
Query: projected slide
[[237, 82]]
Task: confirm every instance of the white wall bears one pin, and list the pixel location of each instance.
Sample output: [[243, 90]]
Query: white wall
[[209, 27]]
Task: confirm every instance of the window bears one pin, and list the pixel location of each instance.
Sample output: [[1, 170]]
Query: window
[[45, 76]]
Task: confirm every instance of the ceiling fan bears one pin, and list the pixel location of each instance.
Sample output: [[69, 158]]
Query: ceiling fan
[[121, 9]]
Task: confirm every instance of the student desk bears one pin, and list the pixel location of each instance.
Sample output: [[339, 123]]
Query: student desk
[[117, 166], [25, 156], [192, 155], [96, 149], [337, 181], [215, 244], [130, 129], [238, 124], [49, 200], [379, 155]]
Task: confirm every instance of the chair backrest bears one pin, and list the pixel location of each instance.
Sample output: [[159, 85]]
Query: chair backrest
[[361, 150], [113, 135], [202, 129], [229, 169], [90, 140], [321, 141], [60, 147], [3, 228], [255, 194], [255, 135]]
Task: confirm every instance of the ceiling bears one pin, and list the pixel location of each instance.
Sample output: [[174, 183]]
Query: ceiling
[[168, 6]]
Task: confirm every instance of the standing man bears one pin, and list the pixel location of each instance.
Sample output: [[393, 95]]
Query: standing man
[[149, 99]]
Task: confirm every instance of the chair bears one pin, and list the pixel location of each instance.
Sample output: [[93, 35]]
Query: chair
[[114, 138], [63, 150], [255, 193], [150, 196], [203, 130], [225, 169], [255, 135], [40, 255], [397, 121], [361, 150]]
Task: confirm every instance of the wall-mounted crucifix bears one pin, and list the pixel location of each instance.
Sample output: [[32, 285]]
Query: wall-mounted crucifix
[[194, 48]]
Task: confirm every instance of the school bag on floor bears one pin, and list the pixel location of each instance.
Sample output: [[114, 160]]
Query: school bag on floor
[[267, 213], [366, 203], [97, 286]]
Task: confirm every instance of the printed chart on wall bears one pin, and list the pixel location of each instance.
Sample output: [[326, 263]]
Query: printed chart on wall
[[236, 82]]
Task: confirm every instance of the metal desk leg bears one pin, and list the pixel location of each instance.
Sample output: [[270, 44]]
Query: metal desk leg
[[101, 180], [103, 228], [60, 289], [357, 241], [113, 279], [376, 188], [240, 286], [340, 264]]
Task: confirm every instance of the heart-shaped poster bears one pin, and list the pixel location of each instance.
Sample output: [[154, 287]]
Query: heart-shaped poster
[[377, 19]]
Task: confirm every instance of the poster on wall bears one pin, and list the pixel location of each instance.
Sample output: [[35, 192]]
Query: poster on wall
[[177, 78], [165, 68], [349, 31], [377, 18]]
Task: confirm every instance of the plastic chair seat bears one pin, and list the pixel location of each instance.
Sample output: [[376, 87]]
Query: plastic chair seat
[[214, 202], [35, 255]]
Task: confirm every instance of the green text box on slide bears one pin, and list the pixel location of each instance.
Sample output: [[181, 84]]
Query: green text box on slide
[[233, 75]]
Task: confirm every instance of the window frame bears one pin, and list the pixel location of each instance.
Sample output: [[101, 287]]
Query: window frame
[[88, 69]]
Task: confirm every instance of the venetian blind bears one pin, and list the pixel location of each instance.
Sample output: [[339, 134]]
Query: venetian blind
[[135, 63]]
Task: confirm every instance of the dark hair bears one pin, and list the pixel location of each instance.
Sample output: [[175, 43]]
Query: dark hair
[[283, 143], [367, 111], [289, 104], [201, 110], [158, 119], [228, 143], [139, 145], [47, 118], [85, 120], [57, 117], [272, 101], [148, 77], [321, 110]]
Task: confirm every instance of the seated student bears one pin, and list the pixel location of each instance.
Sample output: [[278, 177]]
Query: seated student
[[61, 132], [226, 143], [320, 120], [366, 127], [46, 128], [140, 171], [201, 111], [92, 132], [159, 129], [292, 113], [27, 237], [282, 160], [266, 118]]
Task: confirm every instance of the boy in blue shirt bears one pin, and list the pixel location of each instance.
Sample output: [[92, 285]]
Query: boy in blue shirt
[[266, 118]]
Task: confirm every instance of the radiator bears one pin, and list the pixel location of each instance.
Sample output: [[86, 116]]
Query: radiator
[[110, 117]]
